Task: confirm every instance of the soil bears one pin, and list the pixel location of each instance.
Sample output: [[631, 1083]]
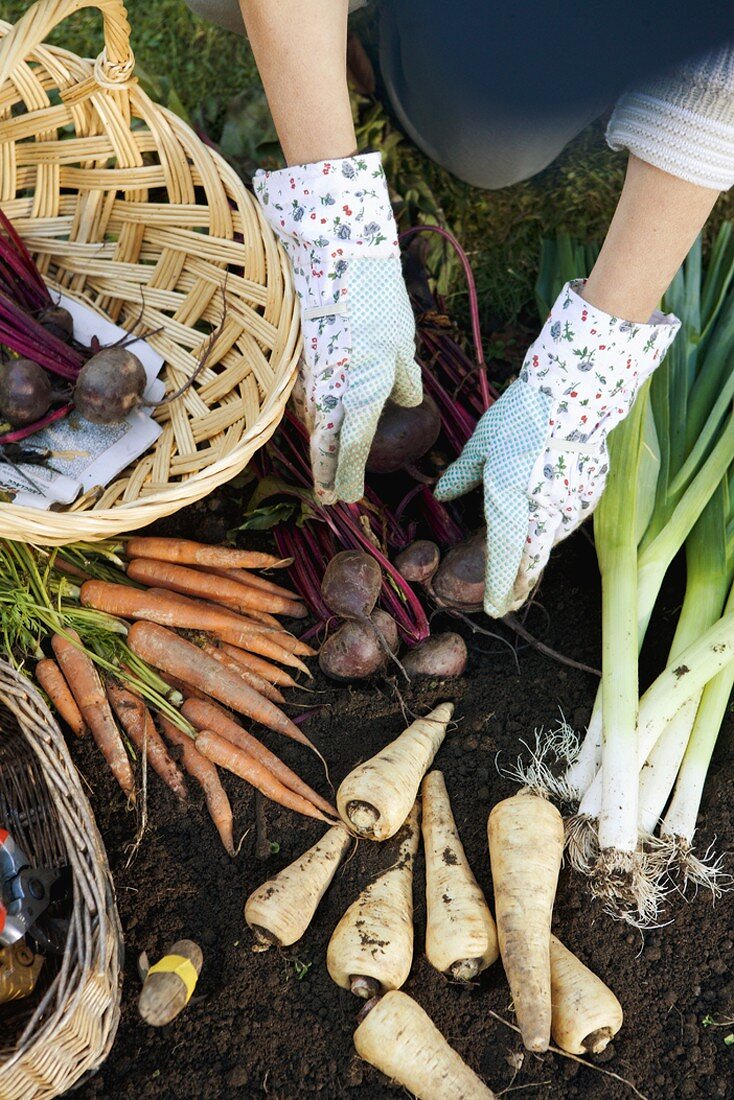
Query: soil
[[274, 1025]]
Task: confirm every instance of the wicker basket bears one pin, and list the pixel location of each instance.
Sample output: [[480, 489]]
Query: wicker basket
[[65, 1029], [121, 204]]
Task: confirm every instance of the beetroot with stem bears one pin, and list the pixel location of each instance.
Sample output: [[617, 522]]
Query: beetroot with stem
[[25, 392], [442, 656], [403, 436]]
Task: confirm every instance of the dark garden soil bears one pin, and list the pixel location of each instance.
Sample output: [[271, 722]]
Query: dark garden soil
[[274, 1024]]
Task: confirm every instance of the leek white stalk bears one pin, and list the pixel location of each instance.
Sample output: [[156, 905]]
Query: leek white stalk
[[708, 576], [461, 936], [616, 547], [679, 822], [681, 681], [280, 910], [371, 949], [400, 1039], [375, 799]]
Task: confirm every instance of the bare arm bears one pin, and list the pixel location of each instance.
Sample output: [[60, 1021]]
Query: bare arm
[[657, 220], [300, 49]]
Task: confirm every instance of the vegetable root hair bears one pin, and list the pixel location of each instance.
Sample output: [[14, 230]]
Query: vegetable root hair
[[555, 748], [582, 843], [695, 872], [632, 885]]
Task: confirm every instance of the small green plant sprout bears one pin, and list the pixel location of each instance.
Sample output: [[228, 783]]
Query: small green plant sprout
[[301, 968]]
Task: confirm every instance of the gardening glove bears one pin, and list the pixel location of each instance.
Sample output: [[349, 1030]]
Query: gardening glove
[[337, 227], [541, 449]]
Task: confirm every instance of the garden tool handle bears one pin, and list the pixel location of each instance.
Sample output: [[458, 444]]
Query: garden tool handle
[[116, 61]]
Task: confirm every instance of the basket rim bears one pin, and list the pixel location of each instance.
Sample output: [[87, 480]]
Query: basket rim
[[58, 527]]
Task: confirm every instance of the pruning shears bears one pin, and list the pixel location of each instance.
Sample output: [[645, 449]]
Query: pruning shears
[[25, 895]]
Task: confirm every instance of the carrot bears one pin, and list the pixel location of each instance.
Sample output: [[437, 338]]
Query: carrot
[[205, 715], [525, 850], [257, 682], [244, 621], [51, 679], [268, 625], [264, 618], [207, 776], [136, 720], [192, 582], [254, 580], [133, 603], [172, 653], [227, 755], [198, 553], [268, 671], [86, 687], [61, 565]]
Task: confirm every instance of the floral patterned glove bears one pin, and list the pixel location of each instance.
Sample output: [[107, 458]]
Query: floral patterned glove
[[541, 449], [337, 226]]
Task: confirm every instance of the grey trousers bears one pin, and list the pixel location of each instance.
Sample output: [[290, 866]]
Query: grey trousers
[[487, 145]]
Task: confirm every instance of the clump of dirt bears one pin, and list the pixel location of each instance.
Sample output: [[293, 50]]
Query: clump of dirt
[[273, 1024]]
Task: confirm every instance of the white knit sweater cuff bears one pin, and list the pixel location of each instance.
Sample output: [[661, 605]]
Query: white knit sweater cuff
[[683, 123]]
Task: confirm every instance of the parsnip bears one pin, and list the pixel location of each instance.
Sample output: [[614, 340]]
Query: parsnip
[[375, 799], [400, 1039], [280, 910], [371, 949], [525, 850], [586, 1014], [461, 936]]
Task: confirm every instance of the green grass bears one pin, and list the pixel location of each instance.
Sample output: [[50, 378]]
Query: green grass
[[209, 76]]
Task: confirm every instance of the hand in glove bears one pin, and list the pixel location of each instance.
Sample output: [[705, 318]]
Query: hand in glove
[[337, 227], [541, 449]]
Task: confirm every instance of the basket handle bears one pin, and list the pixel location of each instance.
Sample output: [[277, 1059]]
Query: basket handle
[[114, 65]]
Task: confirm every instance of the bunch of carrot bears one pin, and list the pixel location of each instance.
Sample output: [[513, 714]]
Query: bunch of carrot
[[206, 623]]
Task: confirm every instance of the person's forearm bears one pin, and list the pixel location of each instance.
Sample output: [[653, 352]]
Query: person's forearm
[[656, 221], [300, 50]]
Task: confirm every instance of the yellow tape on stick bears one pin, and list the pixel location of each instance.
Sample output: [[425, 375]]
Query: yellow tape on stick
[[177, 964]]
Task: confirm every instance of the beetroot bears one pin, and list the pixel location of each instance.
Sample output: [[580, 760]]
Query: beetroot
[[58, 321], [387, 627], [419, 561], [353, 652], [403, 436], [442, 656], [25, 392], [109, 386], [351, 584], [459, 580]]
